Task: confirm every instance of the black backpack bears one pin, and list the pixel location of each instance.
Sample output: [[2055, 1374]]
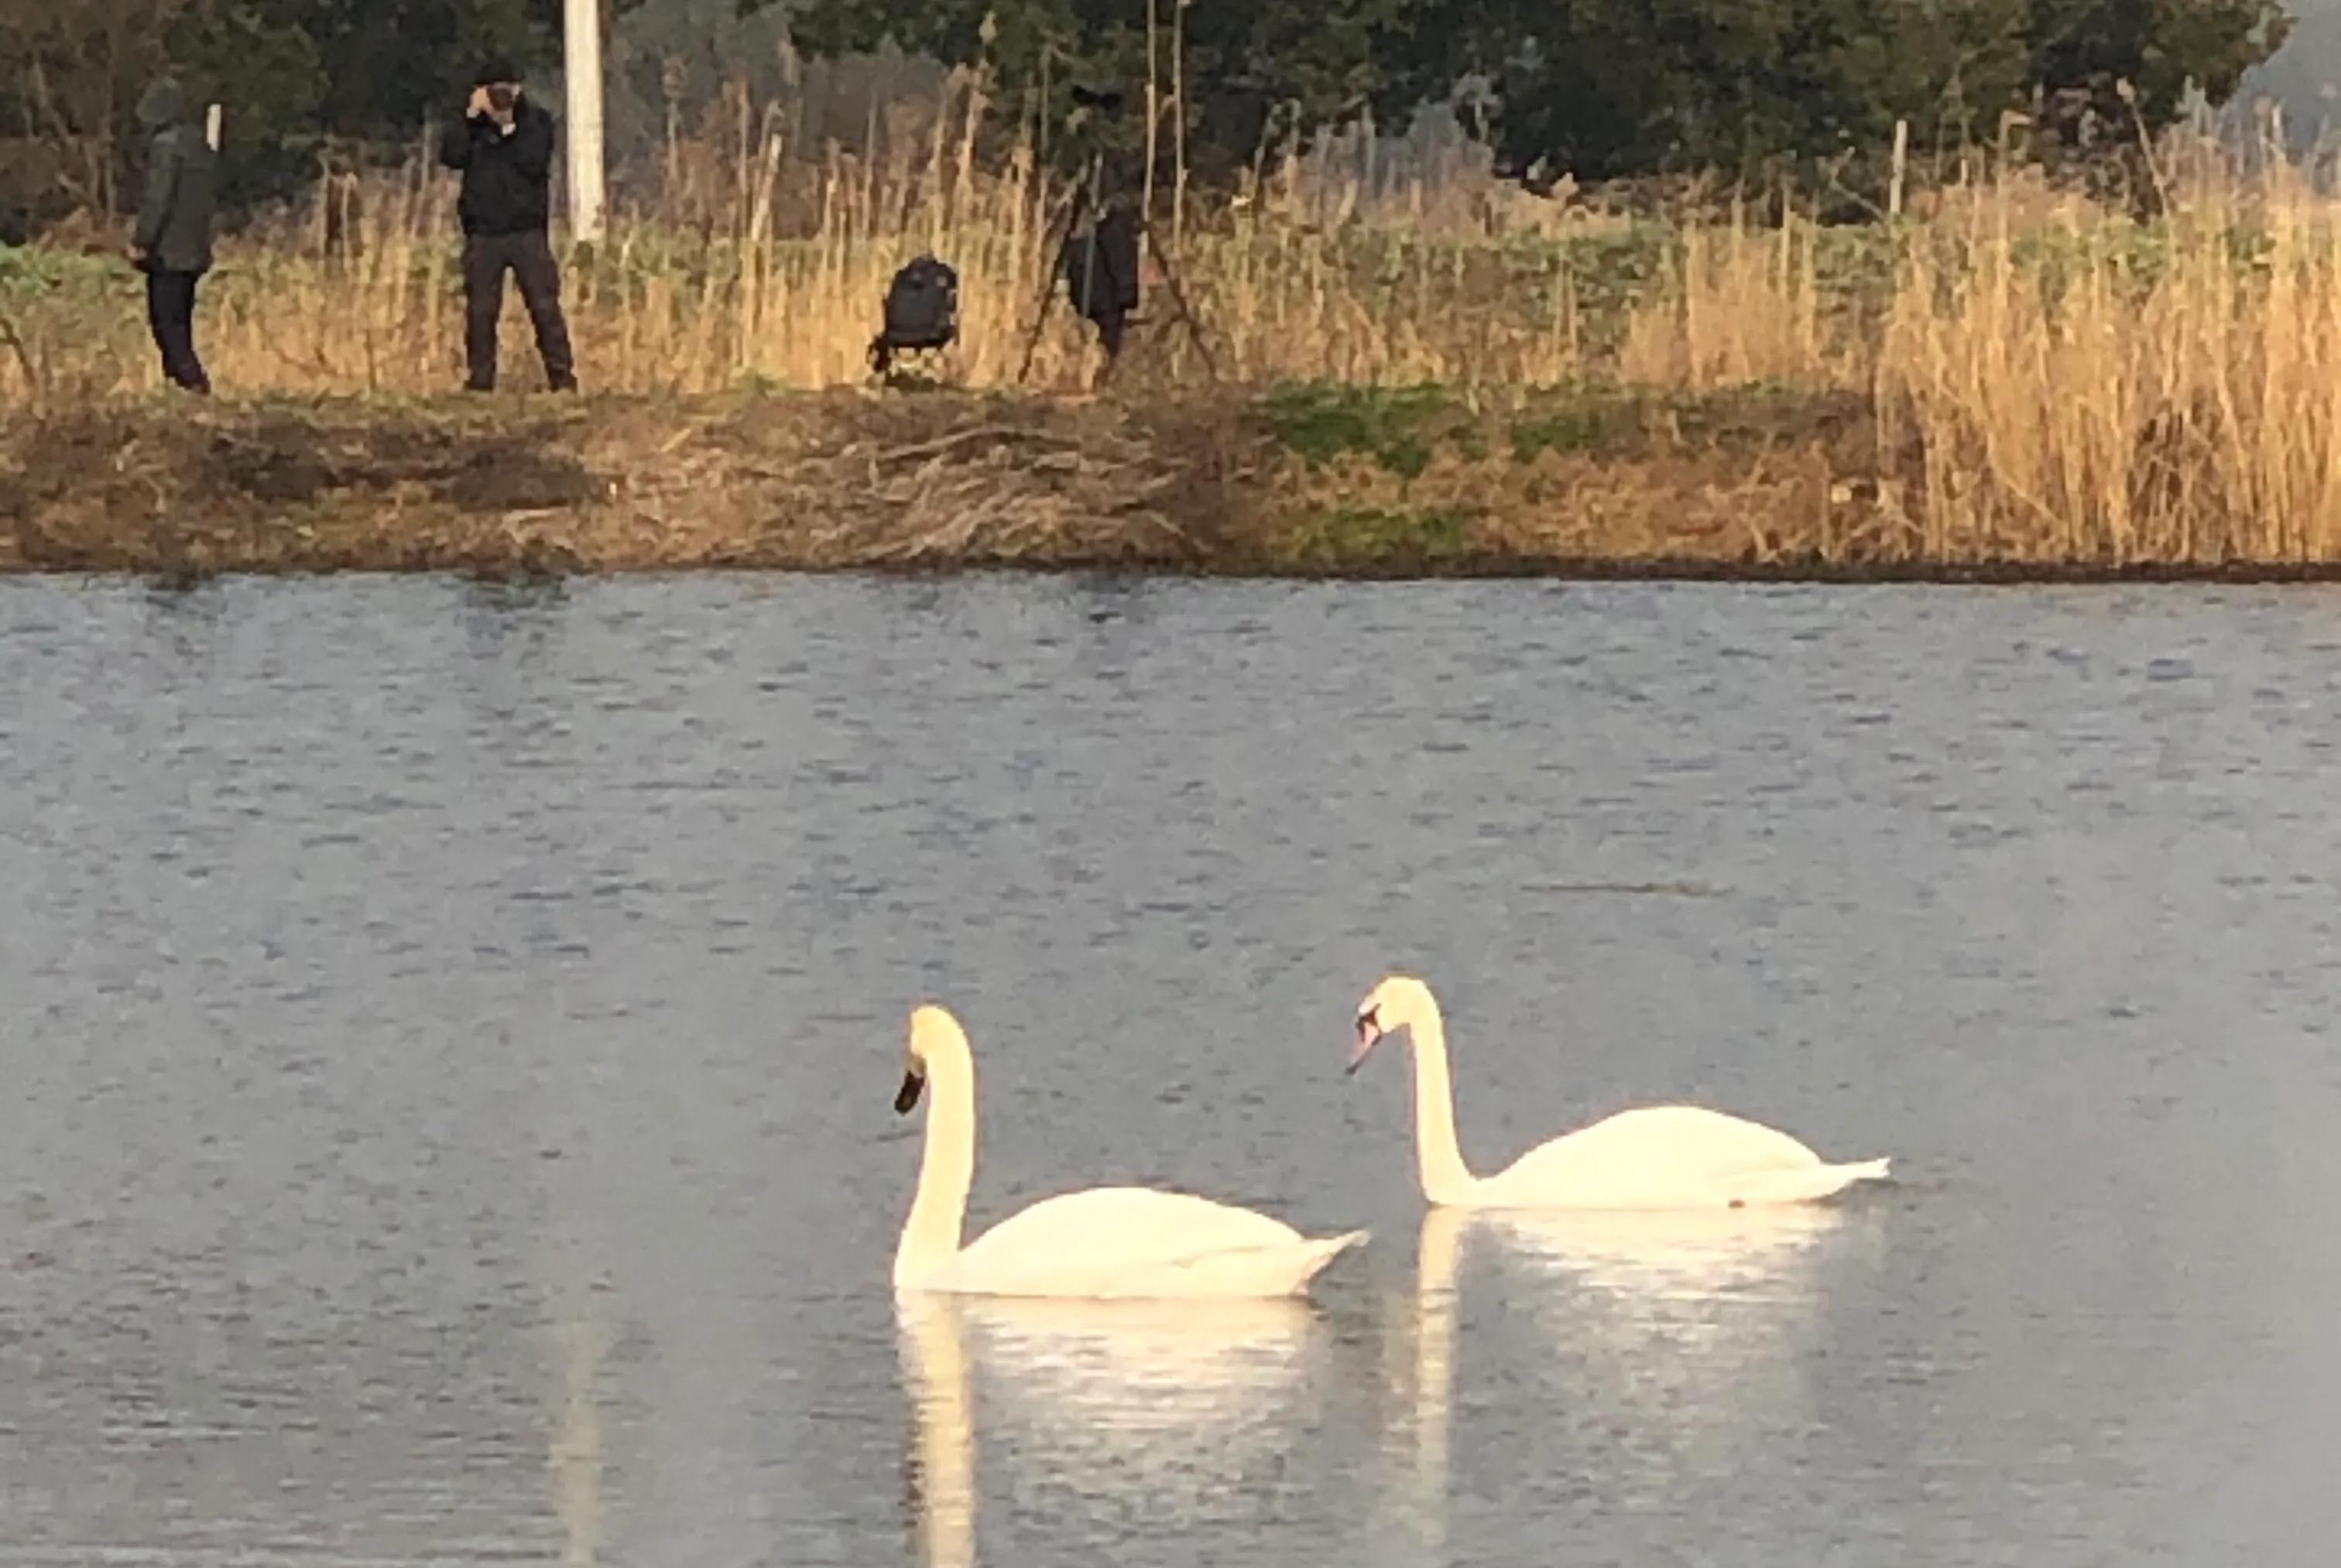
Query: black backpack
[[922, 311]]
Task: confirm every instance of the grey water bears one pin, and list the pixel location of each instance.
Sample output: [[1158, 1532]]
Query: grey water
[[450, 1032]]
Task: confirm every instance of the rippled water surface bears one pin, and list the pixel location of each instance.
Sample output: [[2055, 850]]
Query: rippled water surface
[[450, 1035]]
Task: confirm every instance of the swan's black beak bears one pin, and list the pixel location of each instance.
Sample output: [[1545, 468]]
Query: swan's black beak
[[908, 1095], [1369, 1032]]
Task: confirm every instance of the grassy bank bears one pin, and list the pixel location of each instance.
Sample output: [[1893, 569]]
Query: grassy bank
[[1307, 480], [1313, 480]]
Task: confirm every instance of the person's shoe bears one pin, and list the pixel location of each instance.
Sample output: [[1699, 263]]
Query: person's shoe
[[479, 386], [561, 383]]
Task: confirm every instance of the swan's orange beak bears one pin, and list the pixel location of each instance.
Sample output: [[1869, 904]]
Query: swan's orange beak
[[908, 1095], [1370, 1034]]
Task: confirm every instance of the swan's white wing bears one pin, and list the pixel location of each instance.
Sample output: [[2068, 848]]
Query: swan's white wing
[[1134, 1221], [1128, 1241], [1656, 1156]]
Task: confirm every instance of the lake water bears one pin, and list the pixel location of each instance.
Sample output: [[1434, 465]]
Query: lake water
[[451, 1031]]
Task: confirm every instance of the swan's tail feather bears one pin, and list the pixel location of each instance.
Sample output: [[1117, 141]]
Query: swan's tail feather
[[1282, 1268], [1806, 1184], [1317, 1254], [1326, 1249]]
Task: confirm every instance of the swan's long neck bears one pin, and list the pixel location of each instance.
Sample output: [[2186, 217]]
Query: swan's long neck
[[1437, 1156], [946, 1169]]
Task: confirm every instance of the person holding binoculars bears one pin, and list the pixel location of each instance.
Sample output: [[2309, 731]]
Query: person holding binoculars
[[503, 146]]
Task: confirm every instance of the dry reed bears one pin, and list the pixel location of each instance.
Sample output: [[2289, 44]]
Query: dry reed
[[2113, 393]]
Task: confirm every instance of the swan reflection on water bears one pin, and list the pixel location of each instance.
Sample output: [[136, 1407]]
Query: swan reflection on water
[[1154, 1408], [1672, 1335], [1689, 1256], [1685, 1326], [1667, 1340], [575, 1457], [938, 1479]]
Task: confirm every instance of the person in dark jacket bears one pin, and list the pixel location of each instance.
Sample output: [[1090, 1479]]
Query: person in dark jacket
[[503, 146], [172, 242]]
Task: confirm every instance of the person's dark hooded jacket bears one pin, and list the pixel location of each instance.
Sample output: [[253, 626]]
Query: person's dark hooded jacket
[[507, 179], [182, 193]]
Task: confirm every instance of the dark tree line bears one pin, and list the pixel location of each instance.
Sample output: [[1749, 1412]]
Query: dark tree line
[[1611, 88], [295, 74], [1597, 88]]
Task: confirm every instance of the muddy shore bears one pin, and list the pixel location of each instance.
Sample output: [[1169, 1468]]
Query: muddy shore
[[1314, 482]]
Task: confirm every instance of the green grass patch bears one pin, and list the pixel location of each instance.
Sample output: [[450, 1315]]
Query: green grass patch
[[1620, 421], [1588, 422], [26, 272], [1369, 535], [1399, 428]]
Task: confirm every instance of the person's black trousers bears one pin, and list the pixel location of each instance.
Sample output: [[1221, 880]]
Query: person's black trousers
[[171, 315], [528, 256]]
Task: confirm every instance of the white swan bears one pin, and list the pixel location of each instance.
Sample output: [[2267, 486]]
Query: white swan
[[1657, 1156], [1106, 1241]]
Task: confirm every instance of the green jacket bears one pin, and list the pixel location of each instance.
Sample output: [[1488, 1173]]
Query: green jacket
[[175, 216]]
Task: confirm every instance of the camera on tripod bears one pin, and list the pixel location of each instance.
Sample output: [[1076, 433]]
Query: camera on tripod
[[1097, 255], [1092, 243]]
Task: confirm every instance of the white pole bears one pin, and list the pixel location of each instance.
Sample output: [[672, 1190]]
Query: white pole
[[581, 69], [1901, 163], [212, 125]]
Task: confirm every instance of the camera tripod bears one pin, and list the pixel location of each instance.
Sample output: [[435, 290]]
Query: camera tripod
[[1084, 200]]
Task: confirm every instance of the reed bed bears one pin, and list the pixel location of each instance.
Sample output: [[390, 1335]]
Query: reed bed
[[2106, 392], [2051, 381], [744, 262]]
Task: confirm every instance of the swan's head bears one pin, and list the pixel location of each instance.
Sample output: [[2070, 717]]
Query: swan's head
[[1400, 1002], [932, 1029]]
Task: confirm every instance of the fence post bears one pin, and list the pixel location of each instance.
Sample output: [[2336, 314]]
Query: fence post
[[1901, 161]]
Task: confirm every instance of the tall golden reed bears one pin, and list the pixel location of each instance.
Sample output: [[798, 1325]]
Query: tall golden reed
[[2106, 392]]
